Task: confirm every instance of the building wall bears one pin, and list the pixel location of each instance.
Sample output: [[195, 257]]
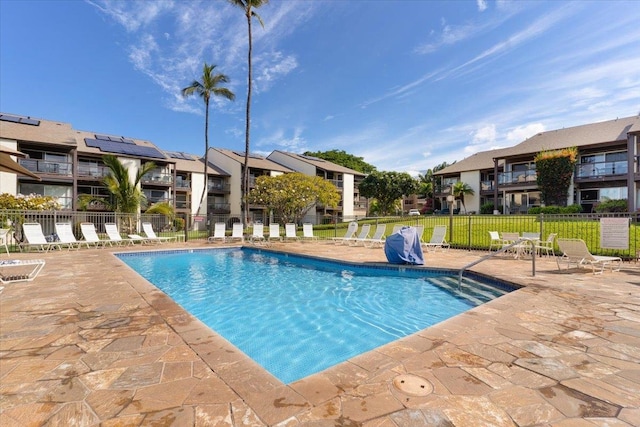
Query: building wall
[[472, 178], [235, 180], [347, 195], [198, 185]]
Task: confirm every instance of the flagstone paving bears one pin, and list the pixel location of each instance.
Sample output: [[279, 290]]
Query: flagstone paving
[[89, 342]]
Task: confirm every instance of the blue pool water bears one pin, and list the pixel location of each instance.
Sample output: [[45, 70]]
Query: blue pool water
[[296, 316]]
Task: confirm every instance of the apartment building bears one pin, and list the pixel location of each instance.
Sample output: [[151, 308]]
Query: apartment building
[[345, 179], [607, 168]]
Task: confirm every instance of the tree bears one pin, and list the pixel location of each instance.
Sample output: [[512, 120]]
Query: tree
[[291, 195], [247, 6], [127, 195], [342, 158], [209, 85], [461, 189], [555, 170], [387, 188]]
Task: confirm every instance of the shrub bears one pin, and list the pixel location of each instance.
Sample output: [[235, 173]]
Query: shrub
[[554, 210], [619, 205], [486, 208], [178, 224]]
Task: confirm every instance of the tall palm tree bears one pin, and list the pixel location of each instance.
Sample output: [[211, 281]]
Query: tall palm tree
[[209, 85], [247, 6], [460, 189], [127, 195]]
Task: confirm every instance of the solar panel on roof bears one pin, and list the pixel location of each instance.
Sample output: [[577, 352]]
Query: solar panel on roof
[[102, 137], [127, 140], [124, 148], [22, 120]]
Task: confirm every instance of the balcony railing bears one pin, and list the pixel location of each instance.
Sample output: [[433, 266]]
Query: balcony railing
[[487, 185], [183, 184], [337, 182], [92, 171], [601, 169], [47, 167], [218, 186], [518, 177], [219, 208], [182, 204], [157, 178]]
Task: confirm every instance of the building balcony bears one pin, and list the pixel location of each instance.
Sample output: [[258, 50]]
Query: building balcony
[[487, 185], [183, 184], [47, 167], [219, 208], [529, 177], [598, 170], [92, 171], [218, 187], [156, 178]]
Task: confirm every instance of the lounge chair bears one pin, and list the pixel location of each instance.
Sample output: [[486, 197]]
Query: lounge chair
[[546, 246], [378, 237], [361, 237], [437, 239], [219, 233], [91, 237], [290, 231], [351, 231], [420, 232], [14, 270], [237, 232], [4, 237], [496, 241], [257, 235], [151, 235], [307, 232], [112, 231], [66, 236], [576, 251], [397, 228], [274, 232]]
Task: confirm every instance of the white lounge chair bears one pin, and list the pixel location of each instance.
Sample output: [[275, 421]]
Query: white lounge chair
[[219, 233], [66, 236], [290, 231], [14, 270], [151, 235], [546, 246], [112, 231], [307, 232], [378, 237], [437, 239], [576, 251], [351, 231], [257, 234], [4, 238], [90, 235], [237, 232], [274, 232], [496, 241], [361, 237], [397, 228]]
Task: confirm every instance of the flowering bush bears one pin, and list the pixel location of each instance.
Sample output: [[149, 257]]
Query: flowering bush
[[30, 202]]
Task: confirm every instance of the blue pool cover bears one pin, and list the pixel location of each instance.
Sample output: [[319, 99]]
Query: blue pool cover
[[404, 247]]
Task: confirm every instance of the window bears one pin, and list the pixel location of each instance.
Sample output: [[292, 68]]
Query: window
[[615, 193], [63, 194]]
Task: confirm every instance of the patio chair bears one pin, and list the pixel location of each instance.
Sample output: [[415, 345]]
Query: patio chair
[[66, 236], [496, 241], [307, 232], [546, 246], [257, 235], [351, 231], [437, 239], [419, 232], [219, 233], [274, 232], [32, 232], [378, 237], [237, 232], [576, 251], [113, 233], [151, 235], [14, 270], [511, 238], [90, 235], [361, 237], [290, 231], [4, 238]]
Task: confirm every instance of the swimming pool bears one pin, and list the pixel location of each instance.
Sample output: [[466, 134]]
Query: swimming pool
[[296, 315]]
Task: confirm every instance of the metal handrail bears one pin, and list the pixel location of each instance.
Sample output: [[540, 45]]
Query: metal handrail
[[502, 250]]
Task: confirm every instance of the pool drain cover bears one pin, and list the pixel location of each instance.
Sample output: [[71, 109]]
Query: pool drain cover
[[412, 385]]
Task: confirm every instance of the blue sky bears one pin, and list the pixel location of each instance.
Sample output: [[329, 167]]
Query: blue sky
[[404, 84]]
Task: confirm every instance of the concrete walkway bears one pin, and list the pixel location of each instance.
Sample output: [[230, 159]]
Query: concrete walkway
[[89, 342]]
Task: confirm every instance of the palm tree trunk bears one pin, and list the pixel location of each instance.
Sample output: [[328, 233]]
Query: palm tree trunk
[[206, 151], [245, 189]]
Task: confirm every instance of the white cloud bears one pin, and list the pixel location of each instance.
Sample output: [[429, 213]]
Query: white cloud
[[520, 133], [484, 135], [482, 5], [273, 66]]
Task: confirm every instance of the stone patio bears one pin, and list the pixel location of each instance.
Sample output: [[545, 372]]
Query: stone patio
[[90, 342]]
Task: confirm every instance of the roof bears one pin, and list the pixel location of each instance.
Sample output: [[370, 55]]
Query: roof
[[36, 130], [322, 164], [187, 162], [255, 161], [90, 142], [577, 136]]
